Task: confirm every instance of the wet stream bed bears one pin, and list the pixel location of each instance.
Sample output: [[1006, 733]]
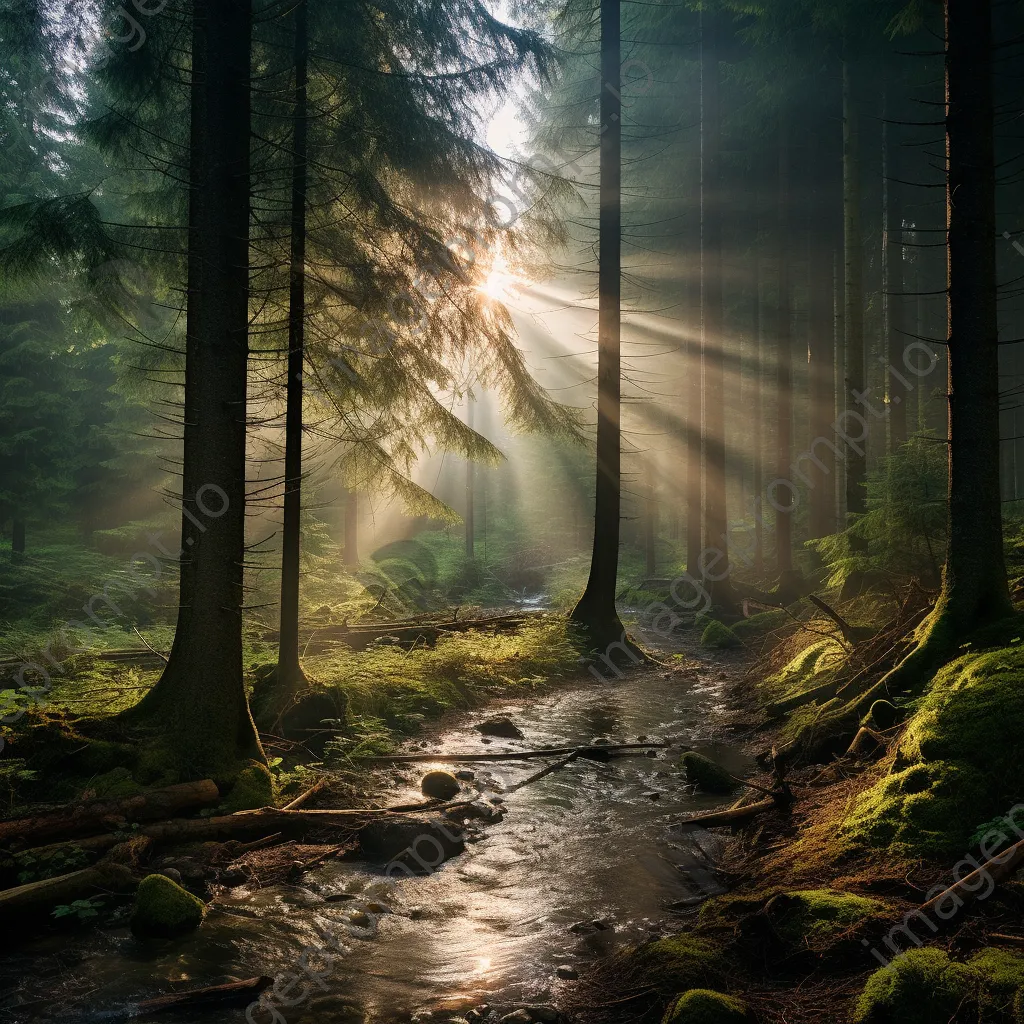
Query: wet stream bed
[[584, 860]]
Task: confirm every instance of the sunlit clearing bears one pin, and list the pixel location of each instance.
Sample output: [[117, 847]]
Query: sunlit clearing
[[500, 285]]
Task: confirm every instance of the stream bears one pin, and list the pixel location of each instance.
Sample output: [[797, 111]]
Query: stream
[[584, 861]]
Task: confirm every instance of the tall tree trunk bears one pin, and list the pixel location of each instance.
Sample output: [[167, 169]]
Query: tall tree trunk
[[784, 365], [470, 488], [974, 588], [856, 459], [821, 352], [694, 392], [650, 518], [289, 672], [199, 708], [595, 613], [716, 522], [350, 555], [897, 393], [757, 402]]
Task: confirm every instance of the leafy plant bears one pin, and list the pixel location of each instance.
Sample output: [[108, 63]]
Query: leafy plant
[[83, 910]]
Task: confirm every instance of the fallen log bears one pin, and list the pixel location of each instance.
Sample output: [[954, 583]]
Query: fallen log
[[42, 896], [733, 815], [511, 755], [995, 870], [93, 816], [235, 993]]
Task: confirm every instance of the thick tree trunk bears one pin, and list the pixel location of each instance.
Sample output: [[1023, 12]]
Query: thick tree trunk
[[757, 402], [595, 612], [351, 552], [289, 672], [856, 459], [198, 709], [716, 522], [974, 588], [784, 366]]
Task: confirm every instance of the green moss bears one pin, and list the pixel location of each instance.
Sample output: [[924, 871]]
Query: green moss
[[807, 669], [702, 1006], [254, 787], [116, 784], [1004, 975], [763, 622], [706, 774], [163, 909], [957, 761], [677, 963], [718, 635], [815, 916], [921, 986]]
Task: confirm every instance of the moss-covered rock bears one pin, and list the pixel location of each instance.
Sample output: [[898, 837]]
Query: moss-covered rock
[[163, 909], [253, 787], [807, 669], [1003, 971], [957, 762], [921, 986], [814, 917], [762, 623], [677, 964], [706, 774], [439, 785], [116, 784], [703, 1006], [717, 634]]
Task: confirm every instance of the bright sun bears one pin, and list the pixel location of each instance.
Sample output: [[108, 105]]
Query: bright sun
[[500, 285]]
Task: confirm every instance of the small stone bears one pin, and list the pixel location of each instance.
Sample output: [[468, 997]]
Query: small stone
[[567, 972], [359, 919], [641, 739], [501, 726], [601, 741], [377, 908], [339, 897], [233, 875], [173, 874], [602, 925], [163, 909], [465, 775], [439, 785], [478, 1013], [415, 913], [544, 1014], [652, 795], [296, 871], [517, 1017], [651, 753]]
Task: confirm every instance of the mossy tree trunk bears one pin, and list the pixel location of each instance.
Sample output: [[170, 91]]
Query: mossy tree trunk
[[198, 709], [595, 612]]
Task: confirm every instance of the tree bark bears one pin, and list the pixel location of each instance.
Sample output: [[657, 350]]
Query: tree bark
[[595, 613], [716, 522], [856, 459], [974, 587], [897, 394], [784, 365], [289, 672], [758, 399], [198, 709]]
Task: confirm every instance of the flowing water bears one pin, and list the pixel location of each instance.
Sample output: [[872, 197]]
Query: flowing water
[[584, 860]]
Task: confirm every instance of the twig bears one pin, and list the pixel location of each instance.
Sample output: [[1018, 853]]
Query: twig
[[152, 649], [514, 755], [553, 767], [303, 797]]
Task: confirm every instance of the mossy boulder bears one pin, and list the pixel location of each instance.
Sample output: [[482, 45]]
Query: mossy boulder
[[676, 964], [1003, 971], [718, 635], [957, 763], [807, 669], [253, 787], [703, 1006], [707, 774], [439, 785], [116, 784], [163, 909], [761, 623], [815, 917], [921, 986]]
